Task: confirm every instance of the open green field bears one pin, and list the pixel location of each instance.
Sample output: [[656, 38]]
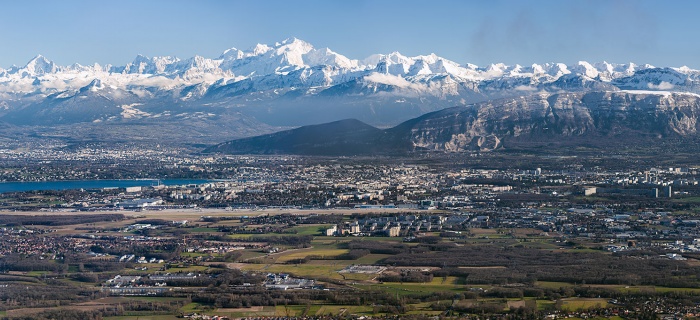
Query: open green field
[[151, 299], [192, 307], [328, 244], [411, 288], [302, 270], [203, 230], [337, 310], [296, 310], [256, 235], [311, 230], [292, 311], [553, 285], [499, 241], [320, 309], [371, 258], [303, 253], [144, 317], [622, 288], [545, 304], [250, 254], [314, 268], [259, 311], [424, 308], [193, 254], [694, 200], [574, 304], [349, 238], [173, 269]]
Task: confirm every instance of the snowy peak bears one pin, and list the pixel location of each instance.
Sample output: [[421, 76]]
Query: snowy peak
[[292, 51], [292, 83], [195, 66], [259, 49], [295, 69], [327, 57], [38, 66], [285, 57], [557, 69], [586, 69], [658, 79], [420, 67], [293, 45], [94, 86], [145, 65], [231, 54]]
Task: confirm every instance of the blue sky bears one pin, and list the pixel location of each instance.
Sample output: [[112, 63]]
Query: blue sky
[[662, 33]]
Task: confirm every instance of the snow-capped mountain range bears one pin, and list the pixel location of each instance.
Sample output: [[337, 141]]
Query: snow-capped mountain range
[[292, 83]]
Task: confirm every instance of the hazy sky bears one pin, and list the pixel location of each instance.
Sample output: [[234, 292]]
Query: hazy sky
[[659, 32]]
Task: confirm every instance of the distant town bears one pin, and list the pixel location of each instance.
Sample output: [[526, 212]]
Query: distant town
[[446, 235]]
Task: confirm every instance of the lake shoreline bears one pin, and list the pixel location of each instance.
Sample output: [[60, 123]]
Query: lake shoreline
[[28, 186]]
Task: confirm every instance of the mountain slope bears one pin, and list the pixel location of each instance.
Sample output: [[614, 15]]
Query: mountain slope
[[295, 72], [598, 118], [291, 83], [344, 137]]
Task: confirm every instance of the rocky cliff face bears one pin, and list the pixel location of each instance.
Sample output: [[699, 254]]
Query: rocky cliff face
[[610, 115], [598, 118], [593, 115]]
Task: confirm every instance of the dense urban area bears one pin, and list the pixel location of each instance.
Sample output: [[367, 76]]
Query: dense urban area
[[483, 235]]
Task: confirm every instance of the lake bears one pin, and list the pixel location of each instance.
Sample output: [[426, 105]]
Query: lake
[[90, 184]]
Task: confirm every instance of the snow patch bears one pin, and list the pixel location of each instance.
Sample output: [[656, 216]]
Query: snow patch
[[525, 88], [661, 93], [392, 80], [129, 111], [661, 86], [650, 92]]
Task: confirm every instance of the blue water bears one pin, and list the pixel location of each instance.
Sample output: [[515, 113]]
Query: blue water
[[89, 184]]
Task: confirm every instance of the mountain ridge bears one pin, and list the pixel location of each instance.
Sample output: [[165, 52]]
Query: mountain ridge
[[597, 118], [291, 83]]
